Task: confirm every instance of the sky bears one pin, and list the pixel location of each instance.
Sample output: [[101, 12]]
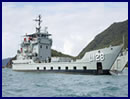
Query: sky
[[73, 25]]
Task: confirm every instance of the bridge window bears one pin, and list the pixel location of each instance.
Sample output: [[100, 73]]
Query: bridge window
[[46, 47], [31, 57], [40, 46]]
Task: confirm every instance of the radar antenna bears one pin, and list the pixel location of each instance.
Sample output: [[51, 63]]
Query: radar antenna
[[38, 29]]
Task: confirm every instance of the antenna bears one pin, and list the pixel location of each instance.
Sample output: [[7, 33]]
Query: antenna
[[39, 23], [45, 30]]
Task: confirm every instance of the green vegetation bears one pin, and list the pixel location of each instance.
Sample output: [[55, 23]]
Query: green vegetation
[[113, 35], [55, 53], [126, 65], [8, 61]]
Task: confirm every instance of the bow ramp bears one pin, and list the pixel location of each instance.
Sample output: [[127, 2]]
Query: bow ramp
[[120, 62]]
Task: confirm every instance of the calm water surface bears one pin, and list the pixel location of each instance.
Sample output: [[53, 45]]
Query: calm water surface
[[39, 84]]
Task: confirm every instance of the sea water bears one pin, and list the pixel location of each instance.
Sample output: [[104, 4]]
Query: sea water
[[40, 84]]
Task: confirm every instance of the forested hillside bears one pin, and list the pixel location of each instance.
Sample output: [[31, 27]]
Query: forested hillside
[[113, 35]]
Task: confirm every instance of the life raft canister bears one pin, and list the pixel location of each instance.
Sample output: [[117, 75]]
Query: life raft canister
[[29, 38], [21, 49], [24, 39]]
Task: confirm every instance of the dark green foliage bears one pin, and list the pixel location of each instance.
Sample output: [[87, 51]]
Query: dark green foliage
[[111, 36], [126, 65]]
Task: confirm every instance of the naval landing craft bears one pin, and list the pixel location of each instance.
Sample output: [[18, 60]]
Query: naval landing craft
[[35, 55]]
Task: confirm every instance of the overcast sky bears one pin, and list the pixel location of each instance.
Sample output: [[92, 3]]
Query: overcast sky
[[72, 25]]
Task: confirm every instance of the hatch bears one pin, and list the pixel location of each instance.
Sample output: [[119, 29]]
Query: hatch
[[99, 68]]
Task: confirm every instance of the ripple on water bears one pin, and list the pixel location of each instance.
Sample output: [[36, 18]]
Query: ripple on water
[[29, 84]]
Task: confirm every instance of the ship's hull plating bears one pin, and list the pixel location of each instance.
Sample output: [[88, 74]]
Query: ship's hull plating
[[120, 63], [100, 67], [81, 72]]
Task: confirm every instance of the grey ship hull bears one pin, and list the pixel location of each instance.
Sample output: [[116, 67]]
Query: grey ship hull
[[35, 51], [80, 72], [82, 66]]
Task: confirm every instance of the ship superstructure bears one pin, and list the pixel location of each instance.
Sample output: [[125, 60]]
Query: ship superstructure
[[36, 46], [35, 55]]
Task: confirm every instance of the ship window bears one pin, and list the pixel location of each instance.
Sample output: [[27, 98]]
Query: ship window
[[40, 46], [84, 67], [37, 68], [36, 54], [66, 68], [75, 68], [59, 68], [44, 68], [46, 47], [51, 68]]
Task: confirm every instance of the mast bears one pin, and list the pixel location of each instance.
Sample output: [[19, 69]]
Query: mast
[[38, 29]]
